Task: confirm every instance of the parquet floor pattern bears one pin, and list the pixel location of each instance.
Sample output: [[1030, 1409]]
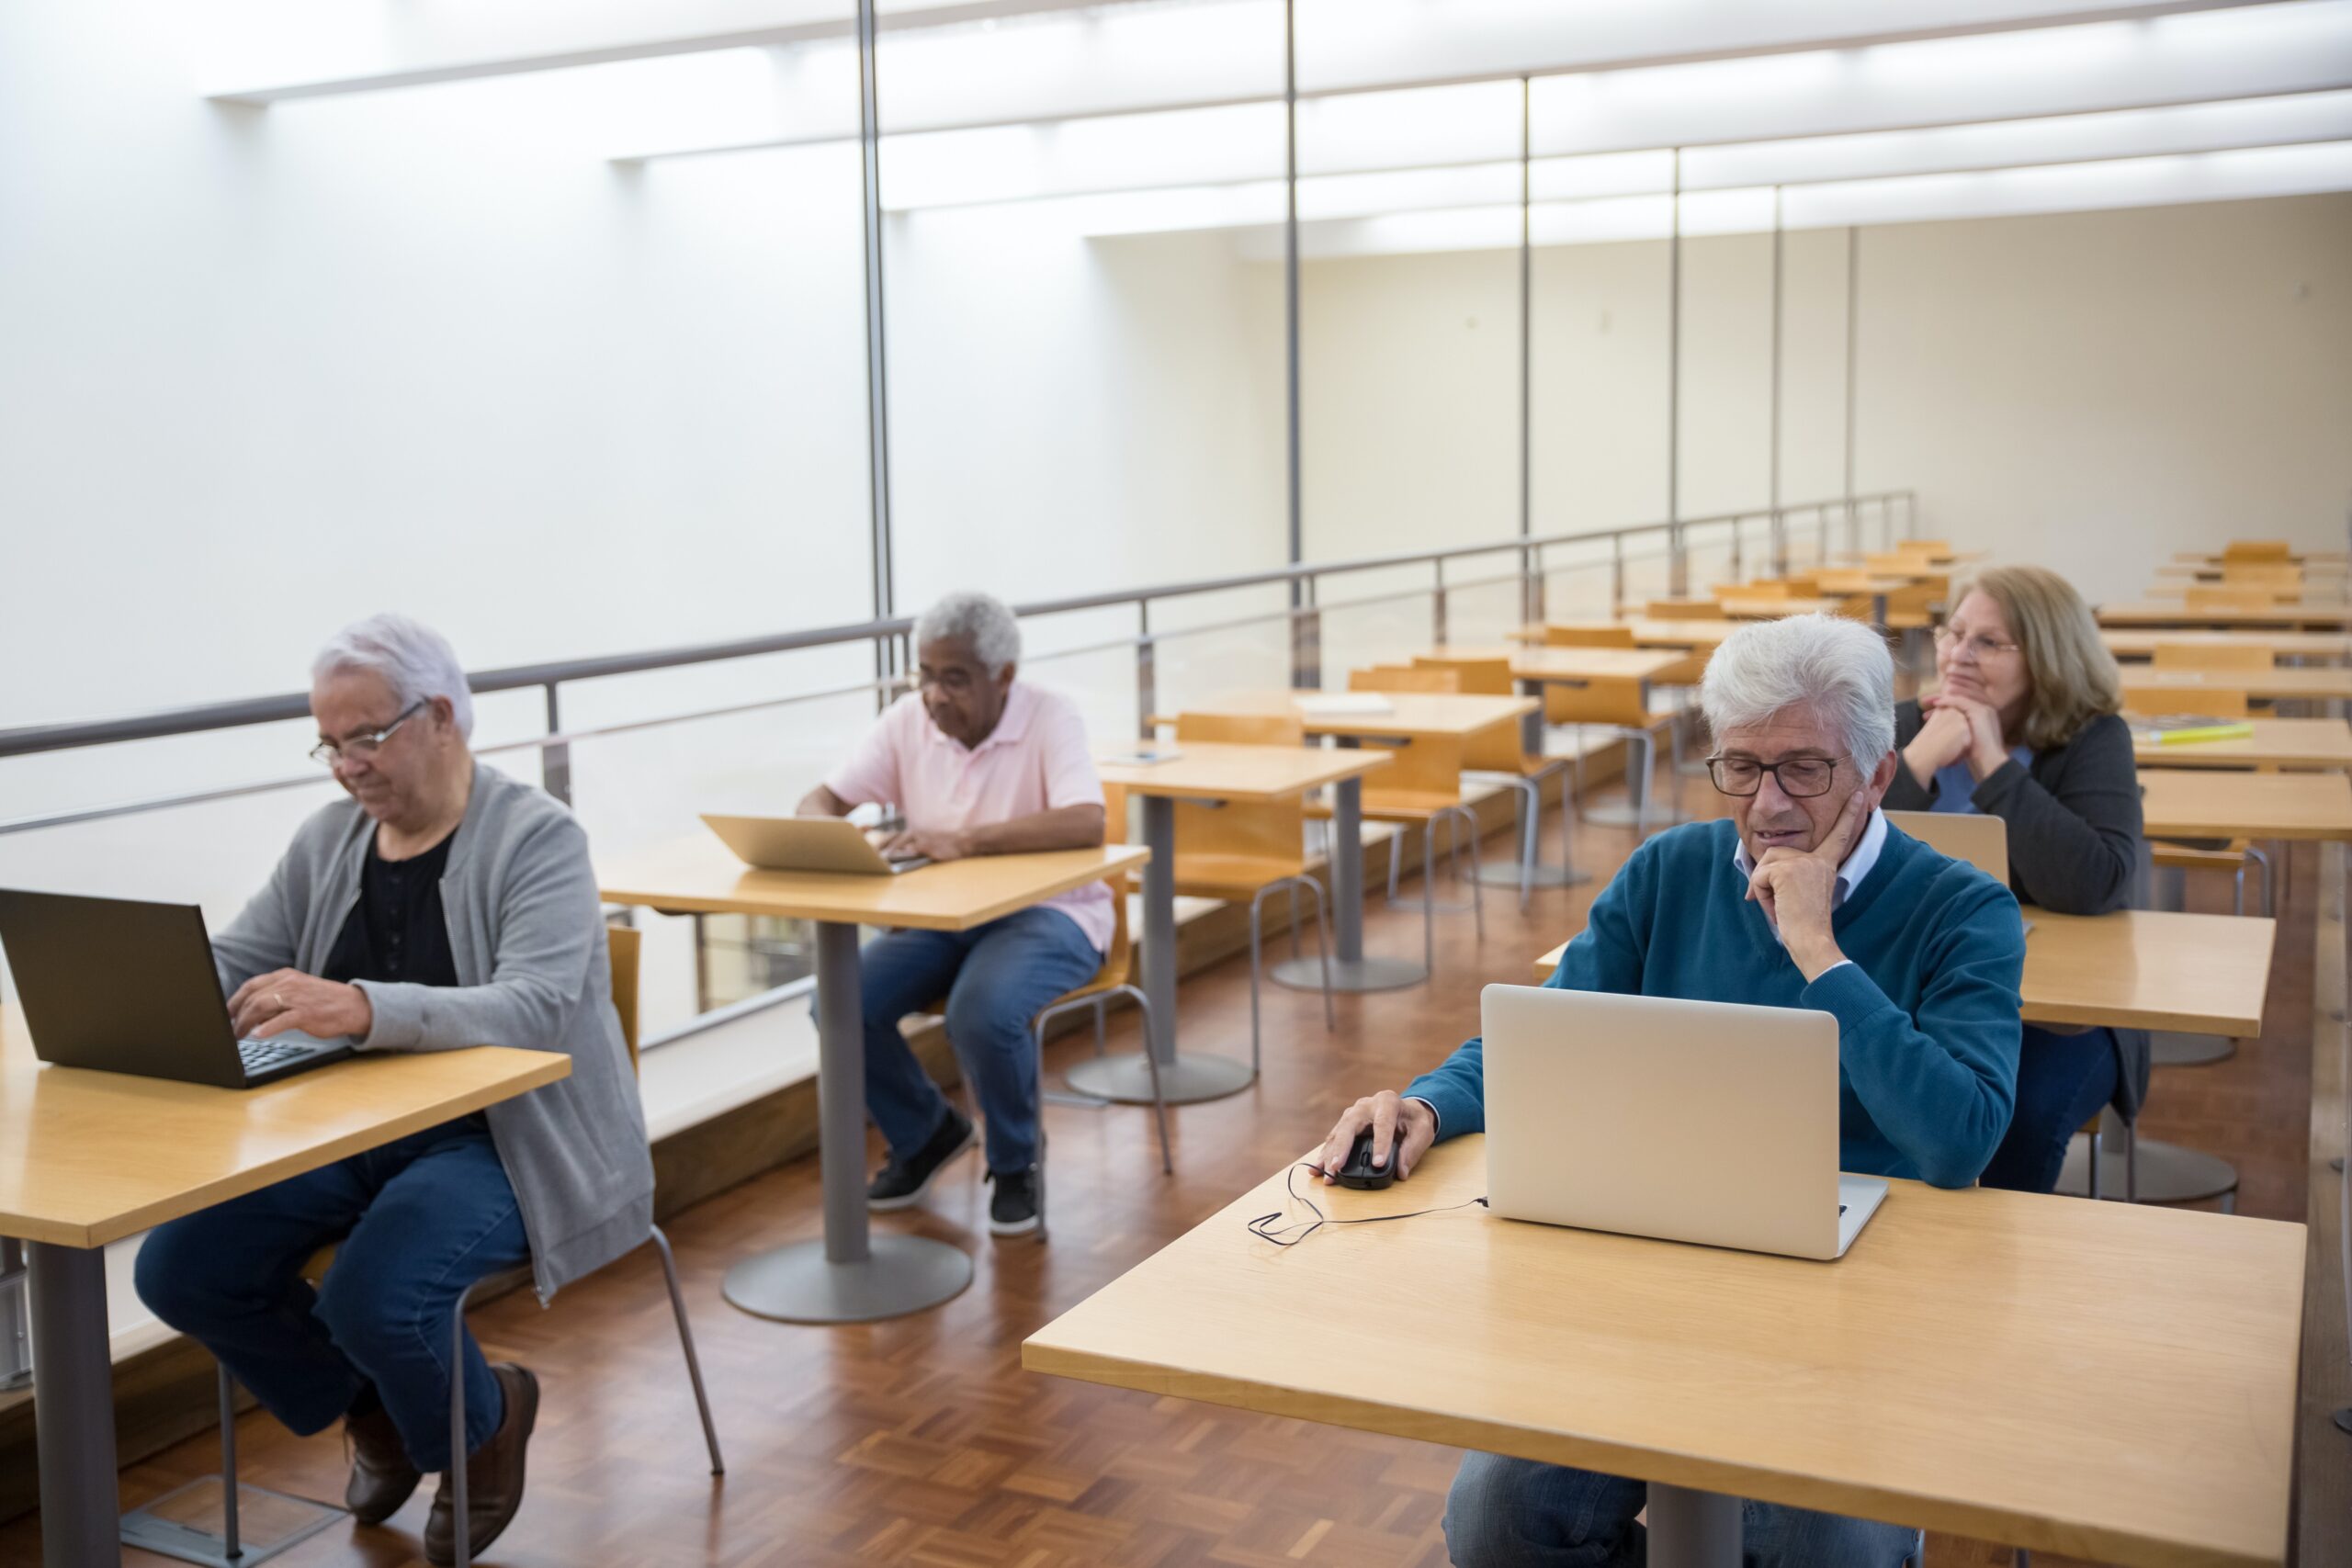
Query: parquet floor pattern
[[920, 1441]]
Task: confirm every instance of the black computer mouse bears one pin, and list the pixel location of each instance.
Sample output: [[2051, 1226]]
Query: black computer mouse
[[1359, 1172]]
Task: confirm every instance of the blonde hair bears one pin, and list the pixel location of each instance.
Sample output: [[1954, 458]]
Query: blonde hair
[[2071, 677]]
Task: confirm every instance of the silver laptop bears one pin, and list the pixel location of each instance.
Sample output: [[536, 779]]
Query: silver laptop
[[807, 844], [1699, 1122]]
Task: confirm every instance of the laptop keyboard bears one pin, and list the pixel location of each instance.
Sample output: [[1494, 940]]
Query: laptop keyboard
[[261, 1055]]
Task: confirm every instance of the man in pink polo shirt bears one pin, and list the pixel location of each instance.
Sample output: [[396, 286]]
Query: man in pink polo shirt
[[980, 763]]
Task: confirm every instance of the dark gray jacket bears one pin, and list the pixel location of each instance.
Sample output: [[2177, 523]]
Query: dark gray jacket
[[2075, 840], [533, 972]]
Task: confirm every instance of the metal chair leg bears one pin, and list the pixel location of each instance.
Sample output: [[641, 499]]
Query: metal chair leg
[[1323, 949], [1428, 896], [230, 1545], [1294, 919], [1159, 1099], [1257, 969], [1465, 822], [686, 1344], [460, 1514], [2097, 1128], [1648, 744]]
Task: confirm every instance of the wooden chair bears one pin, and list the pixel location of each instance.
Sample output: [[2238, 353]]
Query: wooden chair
[[1762, 588], [2155, 700], [2212, 658], [1500, 755], [1685, 610], [1978, 837], [2255, 550], [2225, 600], [623, 945], [1113, 980]]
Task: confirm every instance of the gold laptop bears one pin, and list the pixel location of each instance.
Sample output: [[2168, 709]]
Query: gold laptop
[[833, 845]]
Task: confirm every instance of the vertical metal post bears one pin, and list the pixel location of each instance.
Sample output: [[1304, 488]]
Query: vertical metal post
[[1146, 688], [1531, 585], [1677, 574], [1305, 640], [555, 761], [877, 393], [841, 1088], [230, 1543], [1616, 575], [73, 1390], [1780, 535], [1437, 602], [1297, 547], [15, 1344], [1853, 315]]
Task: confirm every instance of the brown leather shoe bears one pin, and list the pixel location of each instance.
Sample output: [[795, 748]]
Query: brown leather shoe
[[381, 1476], [493, 1474]]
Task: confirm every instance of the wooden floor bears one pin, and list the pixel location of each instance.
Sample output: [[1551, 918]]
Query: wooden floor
[[922, 1441]]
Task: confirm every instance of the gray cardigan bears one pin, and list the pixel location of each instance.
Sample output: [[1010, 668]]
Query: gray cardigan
[[533, 972], [2075, 840]]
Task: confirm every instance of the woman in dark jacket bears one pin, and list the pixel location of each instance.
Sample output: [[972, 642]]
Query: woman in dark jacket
[[2024, 725]]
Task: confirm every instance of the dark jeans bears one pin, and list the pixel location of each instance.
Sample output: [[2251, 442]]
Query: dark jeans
[[996, 978], [2063, 1079], [418, 1219], [1518, 1513]]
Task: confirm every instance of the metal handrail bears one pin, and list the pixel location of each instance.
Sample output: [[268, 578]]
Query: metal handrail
[[236, 713]]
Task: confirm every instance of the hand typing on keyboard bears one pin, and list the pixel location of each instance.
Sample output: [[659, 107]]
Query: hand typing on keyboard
[[269, 1005]]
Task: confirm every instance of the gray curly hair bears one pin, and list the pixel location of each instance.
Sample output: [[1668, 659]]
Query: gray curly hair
[[980, 619], [1840, 668]]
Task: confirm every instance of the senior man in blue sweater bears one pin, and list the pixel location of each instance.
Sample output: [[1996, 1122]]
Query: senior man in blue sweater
[[1807, 898]]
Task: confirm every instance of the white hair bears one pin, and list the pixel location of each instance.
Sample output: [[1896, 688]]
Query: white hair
[[1837, 668], [413, 660], [978, 619]]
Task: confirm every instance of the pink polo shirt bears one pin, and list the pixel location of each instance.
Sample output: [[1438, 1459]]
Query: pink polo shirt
[[1035, 760]]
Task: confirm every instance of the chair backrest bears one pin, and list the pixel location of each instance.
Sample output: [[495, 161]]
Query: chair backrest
[[2157, 701], [1923, 547], [1269, 831], [1616, 702], [2201, 599], [2261, 574], [1762, 588], [1479, 677], [1404, 678], [2212, 656], [1979, 837], [2255, 549], [1839, 582], [1588, 637], [623, 945], [1805, 586], [1489, 750], [1684, 610]]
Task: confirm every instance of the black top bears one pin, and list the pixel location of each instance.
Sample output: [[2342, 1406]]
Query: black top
[[396, 932], [2075, 835]]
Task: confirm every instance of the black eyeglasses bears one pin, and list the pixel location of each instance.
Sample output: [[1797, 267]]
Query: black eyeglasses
[[327, 753], [1799, 778]]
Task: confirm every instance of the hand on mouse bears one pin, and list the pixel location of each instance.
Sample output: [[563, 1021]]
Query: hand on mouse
[[1400, 1128]]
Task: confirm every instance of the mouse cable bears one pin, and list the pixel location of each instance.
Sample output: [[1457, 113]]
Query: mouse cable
[[1264, 1228]]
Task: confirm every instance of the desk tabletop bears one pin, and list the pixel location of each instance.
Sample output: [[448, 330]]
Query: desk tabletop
[[1572, 663], [1694, 633], [1203, 770], [86, 1158], [1740, 608], [2274, 743], [2125, 643], [2307, 558], [2135, 969], [2159, 613], [2109, 1381], [2316, 683], [1411, 715], [700, 875], [2197, 803]]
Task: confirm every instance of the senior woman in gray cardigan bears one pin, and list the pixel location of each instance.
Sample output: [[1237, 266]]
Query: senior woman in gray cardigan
[[2024, 725], [443, 905]]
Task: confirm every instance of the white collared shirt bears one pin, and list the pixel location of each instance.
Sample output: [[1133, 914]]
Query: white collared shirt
[[1856, 865]]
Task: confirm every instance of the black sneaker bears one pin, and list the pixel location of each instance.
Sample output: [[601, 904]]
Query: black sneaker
[[1013, 1209], [901, 1184]]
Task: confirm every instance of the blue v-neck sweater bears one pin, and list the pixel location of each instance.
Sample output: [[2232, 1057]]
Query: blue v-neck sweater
[[1927, 1011]]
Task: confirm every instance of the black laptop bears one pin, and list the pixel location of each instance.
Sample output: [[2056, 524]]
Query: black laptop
[[125, 986]]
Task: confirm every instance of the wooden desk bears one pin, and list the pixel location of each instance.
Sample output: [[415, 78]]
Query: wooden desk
[[2135, 969], [1696, 636], [1536, 668], [2301, 743], [2325, 618], [2108, 1380], [1741, 609], [2307, 558], [86, 1158], [2192, 803], [2309, 683], [1203, 772], [2213, 571], [851, 1276], [1412, 716], [2335, 647]]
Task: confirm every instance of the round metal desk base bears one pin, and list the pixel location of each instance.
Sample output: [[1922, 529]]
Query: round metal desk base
[[1362, 975], [795, 1284], [181, 1524], [2168, 1173], [1187, 1080], [2167, 1049], [1660, 815], [1496, 874]]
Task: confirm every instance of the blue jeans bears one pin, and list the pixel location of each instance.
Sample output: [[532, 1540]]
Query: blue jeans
[[2063, 1079], [1516, 1513], [419, 1221], [995, 977]]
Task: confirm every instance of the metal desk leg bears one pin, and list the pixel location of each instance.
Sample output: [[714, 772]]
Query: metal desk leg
[[1692, 1529], [1187, 1080], [1351, 970], [850, 1277], [74, 1398]]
